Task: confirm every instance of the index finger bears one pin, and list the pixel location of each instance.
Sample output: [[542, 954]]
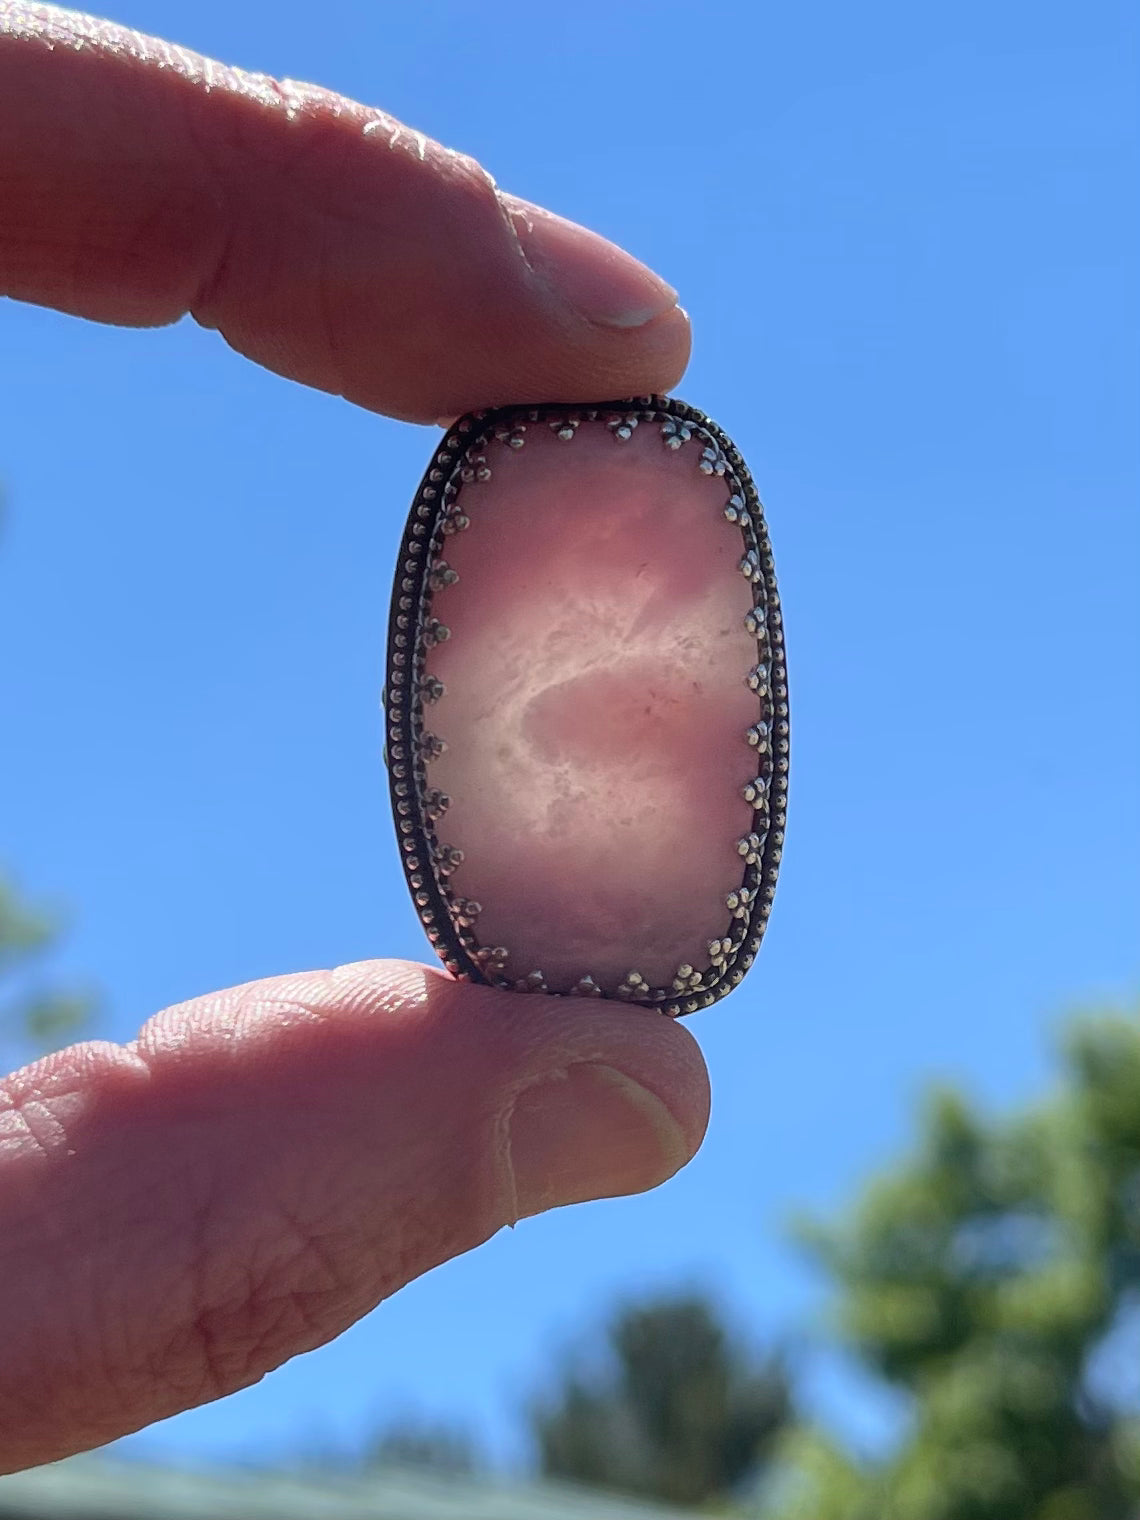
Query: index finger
[[322, 238]]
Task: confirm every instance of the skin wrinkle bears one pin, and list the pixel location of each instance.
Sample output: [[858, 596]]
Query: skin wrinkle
[[237, 1313], [315, 116], [232, 1322], [63, 1085], [248, 1007], [504, 1167], [216, 266], [186, 1358], [213, 296], [326, 306], [46, 1132], [508, 214], [381, 122], [78, 1361], [278, 1281]]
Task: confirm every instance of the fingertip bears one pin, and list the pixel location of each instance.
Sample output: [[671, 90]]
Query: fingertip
[[602, 1100], [595, 278]]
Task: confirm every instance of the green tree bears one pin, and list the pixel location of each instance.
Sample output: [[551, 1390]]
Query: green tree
[[436, 1446], [988, 1278], [35, 1014], [680, 1411]]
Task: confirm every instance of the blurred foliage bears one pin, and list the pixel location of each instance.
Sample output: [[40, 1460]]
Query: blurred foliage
[[680, 1411], [989, 1279], [34, 1015], [435, 1446]]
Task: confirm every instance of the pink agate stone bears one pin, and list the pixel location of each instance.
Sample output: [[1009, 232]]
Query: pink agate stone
[[585, 718]]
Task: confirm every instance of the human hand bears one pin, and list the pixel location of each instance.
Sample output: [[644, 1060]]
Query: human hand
[[261, 1167]]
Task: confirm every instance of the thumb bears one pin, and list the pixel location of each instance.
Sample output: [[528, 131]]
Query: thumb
[[261, 1167]]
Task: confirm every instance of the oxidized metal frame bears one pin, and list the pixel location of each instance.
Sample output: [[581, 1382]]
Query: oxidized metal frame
[[412, 632]]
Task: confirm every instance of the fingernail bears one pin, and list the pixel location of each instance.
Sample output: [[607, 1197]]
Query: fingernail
[[590, 1132], [599, 280]]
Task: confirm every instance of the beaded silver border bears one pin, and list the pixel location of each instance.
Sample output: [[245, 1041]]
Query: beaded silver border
[[412, 631]]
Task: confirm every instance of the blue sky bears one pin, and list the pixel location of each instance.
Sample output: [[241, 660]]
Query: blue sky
[[906, 236]]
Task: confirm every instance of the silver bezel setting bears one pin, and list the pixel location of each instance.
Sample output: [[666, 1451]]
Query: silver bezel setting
[[419, 809]]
